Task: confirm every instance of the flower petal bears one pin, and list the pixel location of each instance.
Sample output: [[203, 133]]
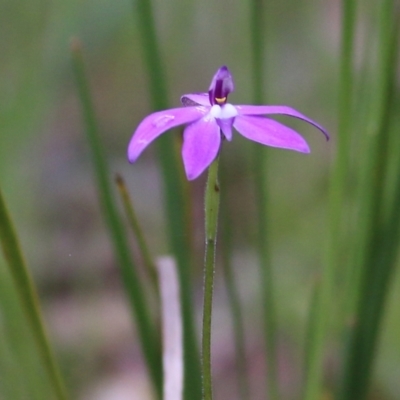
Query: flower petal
[[224, 115], [195, 99], [262, 110], [201, 142], [269, 132], [221, 85], [157, 123], [226, 127]]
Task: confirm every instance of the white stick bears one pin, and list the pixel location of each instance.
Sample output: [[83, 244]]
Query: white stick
[[171, 329]]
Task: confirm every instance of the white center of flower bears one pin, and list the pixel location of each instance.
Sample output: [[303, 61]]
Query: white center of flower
[[227, 111]]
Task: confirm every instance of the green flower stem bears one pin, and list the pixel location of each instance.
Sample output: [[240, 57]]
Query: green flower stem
[[29, 299], [176, 195], [148, 337], [261, 190], [319, 324], [137, 231], [211, 222]]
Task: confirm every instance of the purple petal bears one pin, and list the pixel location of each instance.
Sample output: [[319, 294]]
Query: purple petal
[[221, 85], [261, 110], [157, 123], [226, 127], [195, 99], [269, 132], [201, 142]]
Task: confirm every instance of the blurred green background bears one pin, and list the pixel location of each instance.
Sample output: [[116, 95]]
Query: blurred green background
[[46, 178]]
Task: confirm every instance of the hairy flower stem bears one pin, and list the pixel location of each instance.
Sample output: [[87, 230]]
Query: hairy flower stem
[[211, 223]]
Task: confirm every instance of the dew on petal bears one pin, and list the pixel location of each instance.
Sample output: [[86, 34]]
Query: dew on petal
[[163, 120]]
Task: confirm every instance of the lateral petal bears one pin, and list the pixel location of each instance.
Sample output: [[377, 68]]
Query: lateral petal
[[285, 110], [194, 99], [157, 123], [201, 143], [270, 133]]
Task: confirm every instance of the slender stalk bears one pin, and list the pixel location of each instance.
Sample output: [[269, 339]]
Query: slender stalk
[[29, 299], [323, 310], [211, 222], [137, 231], [148, 338], [261, 188], [176, 195]]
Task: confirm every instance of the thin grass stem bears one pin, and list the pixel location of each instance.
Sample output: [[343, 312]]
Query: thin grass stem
[[148, 339], [137, 231], [323, 305], [176, 194], [29, 299], [260, 165], [378, 248]]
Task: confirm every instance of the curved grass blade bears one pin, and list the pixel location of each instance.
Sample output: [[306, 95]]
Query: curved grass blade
[[29, 299]]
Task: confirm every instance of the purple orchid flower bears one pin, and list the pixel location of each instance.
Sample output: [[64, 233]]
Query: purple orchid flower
[[210, 119]]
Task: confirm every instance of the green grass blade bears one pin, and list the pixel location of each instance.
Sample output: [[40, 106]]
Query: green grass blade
[[378, 247], [260, 166], [22, 372], [138, 232], [176, 195], [149, 340], [320, 322], [29, 299]]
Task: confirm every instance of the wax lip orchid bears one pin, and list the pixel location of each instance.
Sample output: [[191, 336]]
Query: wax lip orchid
[[210, 118]]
